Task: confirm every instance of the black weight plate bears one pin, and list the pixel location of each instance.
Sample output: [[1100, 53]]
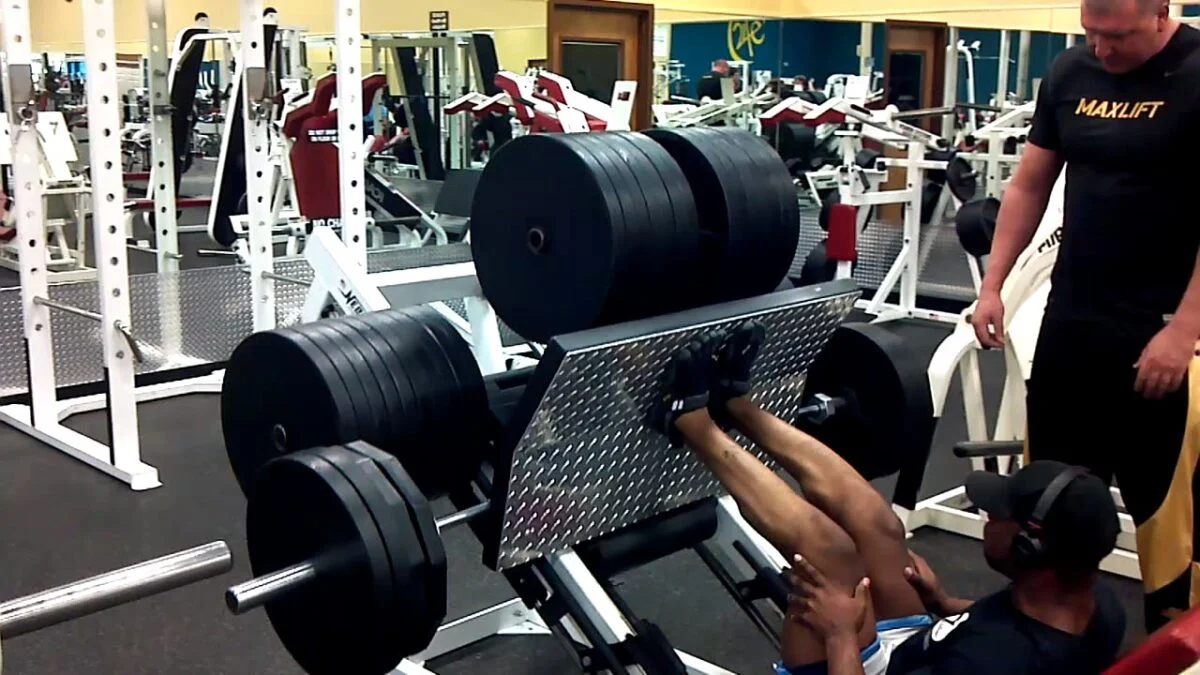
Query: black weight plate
[[638, 280], [817, 267], [766, 246], [409, 623], [280, 394], [827, 202], [888, 413], [931, 194], [656, 290], [683, 248], [442, 458], [418, 509], [302, 509], [975, 224], [373, 373], [355, 373], [474, 416], [406, 418], [741, 236], [785, 190], [962, 179], [540, 186], [718, 198], [867, 158]]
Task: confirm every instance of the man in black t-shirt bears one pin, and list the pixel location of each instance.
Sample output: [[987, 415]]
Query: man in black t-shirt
[[1109, 388], [862, 601]]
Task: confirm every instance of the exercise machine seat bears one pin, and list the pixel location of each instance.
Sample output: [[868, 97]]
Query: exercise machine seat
[[314, 159], [1171, 650]]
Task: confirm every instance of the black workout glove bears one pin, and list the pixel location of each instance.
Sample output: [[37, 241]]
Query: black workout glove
[[735, 359], [686, 383]]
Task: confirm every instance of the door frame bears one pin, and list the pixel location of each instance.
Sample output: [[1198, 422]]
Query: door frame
[[555, 35], [937, 71]]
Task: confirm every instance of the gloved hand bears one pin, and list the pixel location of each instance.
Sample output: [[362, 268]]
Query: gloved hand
[[686, 383]]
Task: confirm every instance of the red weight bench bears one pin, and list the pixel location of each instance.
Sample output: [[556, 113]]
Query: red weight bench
[[1171, 650], [312, 128]]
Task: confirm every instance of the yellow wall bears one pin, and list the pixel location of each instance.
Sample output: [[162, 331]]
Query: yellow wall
[[57, 24], [520, 24]]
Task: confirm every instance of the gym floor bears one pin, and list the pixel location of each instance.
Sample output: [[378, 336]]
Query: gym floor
[[61, 521]]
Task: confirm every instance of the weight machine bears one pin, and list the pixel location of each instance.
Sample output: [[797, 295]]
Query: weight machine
[[858, 187], [558, 534], [66, 198], [1008, 131], [1024, 295]]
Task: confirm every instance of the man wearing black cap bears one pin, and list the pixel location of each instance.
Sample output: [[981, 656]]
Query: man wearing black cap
[[862, 602]]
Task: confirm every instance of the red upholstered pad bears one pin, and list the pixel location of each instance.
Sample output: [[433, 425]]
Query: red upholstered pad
[[1169, 651], [842, 244], [314, 155], [318, 104]]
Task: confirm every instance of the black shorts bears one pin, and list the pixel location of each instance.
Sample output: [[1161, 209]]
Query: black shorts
[[1082, 409]]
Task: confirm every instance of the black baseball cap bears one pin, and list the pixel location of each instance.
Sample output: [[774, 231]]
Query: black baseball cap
[[1081, 526]]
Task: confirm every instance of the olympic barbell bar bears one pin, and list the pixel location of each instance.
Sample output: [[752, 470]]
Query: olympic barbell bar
[[104, 591], [259, 591]]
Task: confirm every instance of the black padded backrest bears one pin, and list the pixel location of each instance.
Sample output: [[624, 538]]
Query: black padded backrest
[[454, 199]]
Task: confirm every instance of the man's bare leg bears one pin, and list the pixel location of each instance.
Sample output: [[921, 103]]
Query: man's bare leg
[[787, 521], [837, 489]]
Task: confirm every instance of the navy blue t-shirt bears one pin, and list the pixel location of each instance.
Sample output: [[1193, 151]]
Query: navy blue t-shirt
[[993, 637]]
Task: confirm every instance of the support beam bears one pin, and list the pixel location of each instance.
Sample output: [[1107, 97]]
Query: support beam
[[1023, 46], [1002, 67], [108, 222], [866, 56], [256, 114], [162, 145], [351, 172], [20, 96], [950, 85]]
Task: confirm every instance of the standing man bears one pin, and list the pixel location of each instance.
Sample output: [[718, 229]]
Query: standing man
[[1110, 388]]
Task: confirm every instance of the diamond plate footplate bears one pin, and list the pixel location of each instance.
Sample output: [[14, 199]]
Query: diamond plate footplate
[[587, 464], [943, 265]]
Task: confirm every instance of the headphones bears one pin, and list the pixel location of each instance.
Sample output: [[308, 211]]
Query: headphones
[[1028, 549]]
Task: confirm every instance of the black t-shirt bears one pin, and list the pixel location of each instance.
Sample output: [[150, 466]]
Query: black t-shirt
[[1130, 235], [994, 638]]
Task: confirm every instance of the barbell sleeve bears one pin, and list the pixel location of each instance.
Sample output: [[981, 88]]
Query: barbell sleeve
[[80, 598], [264, 590]]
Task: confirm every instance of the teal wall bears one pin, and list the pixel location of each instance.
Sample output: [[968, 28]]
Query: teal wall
[[818, 49]]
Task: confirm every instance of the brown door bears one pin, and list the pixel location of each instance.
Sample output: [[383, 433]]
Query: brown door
[[595, 43], [914, 71]]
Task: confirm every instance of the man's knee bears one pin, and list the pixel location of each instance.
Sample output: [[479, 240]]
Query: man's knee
[[889, 524], [829, 548]]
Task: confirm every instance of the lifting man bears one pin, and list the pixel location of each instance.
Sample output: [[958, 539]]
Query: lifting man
[[862, 601]]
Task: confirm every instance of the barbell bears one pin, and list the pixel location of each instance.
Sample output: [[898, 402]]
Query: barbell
[[78, 599]]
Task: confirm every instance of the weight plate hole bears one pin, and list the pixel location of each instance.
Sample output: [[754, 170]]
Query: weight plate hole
[[536, 238]]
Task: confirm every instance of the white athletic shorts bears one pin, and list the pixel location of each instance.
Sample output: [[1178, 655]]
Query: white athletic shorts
[[889, 635]]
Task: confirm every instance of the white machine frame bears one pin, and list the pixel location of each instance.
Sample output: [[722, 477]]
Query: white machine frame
[[859, 187], [62, 189], [42, 416], [1024, 295]]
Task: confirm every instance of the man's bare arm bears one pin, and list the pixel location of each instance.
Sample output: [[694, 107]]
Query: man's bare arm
[[1021, 211]]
